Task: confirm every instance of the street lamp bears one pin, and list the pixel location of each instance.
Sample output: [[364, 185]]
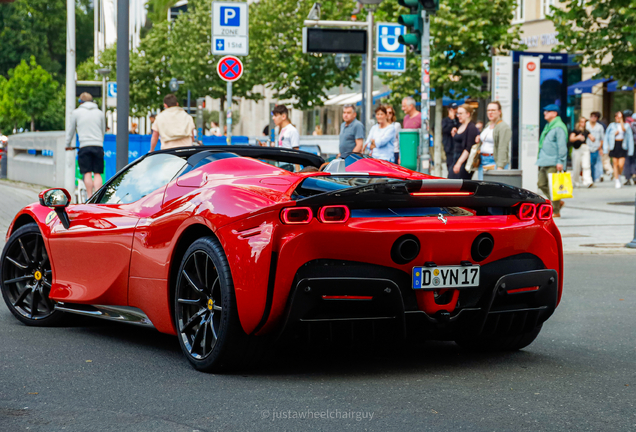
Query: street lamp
[[104, 72]]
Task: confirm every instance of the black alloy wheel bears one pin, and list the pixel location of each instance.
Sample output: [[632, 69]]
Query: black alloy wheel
[[206, 317], [26, 278]]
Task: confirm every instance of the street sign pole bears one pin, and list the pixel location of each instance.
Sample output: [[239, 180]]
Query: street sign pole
[[369, 81], [123, 83], [69, 157], [229, 113], [425, 91]]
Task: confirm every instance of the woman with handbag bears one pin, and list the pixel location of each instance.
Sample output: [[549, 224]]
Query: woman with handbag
[[495, 141], [463, 141], [581, 155], [619, 140]]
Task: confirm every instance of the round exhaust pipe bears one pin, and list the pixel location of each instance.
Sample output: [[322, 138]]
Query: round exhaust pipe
[[482, 247], [405, 249]]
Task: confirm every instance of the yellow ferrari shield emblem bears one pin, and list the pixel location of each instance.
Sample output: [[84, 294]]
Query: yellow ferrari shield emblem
[[210, 304], [50, 217], [37, 275]]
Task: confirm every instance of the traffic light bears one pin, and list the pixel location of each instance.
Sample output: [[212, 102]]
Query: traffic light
[[414, 21]]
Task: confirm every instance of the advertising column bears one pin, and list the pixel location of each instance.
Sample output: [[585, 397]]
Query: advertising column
[[529, 113]]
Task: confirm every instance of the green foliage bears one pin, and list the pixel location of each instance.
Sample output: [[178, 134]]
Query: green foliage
[[603, 33], [276, 56], [37, 28], [464, 36], [158, 10], [28, 93]]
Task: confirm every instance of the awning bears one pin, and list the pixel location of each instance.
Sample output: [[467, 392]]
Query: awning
[[354, 98], [614, 87], [584, 86]]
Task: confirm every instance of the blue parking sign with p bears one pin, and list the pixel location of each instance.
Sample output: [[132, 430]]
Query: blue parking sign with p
[[230, 16], [387, 39]]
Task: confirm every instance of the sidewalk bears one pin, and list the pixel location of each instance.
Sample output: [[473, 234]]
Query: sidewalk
[[599, 220]]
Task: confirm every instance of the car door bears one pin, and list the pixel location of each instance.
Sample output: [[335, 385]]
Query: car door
[[91, 259]]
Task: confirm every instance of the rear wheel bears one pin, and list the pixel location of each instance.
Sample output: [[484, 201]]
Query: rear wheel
[[500, 343], [206, 316], [26, 277]]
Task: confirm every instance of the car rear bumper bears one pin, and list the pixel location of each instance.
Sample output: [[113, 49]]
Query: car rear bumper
[[514, 296]]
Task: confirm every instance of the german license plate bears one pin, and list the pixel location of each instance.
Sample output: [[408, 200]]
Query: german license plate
[[433, 278]]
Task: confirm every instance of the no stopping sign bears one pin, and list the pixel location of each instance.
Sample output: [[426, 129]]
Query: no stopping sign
[[230, 68]]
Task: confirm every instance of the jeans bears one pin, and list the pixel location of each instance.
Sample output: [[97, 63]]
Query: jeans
[[581, 162], [485, 161], [597, 166]]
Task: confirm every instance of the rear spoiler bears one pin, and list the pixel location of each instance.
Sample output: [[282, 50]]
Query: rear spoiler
[[425, 193]]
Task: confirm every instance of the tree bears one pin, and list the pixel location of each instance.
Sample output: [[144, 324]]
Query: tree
[[28, 93], [276, 56], [603, 34], [37, 28], [464, 36]]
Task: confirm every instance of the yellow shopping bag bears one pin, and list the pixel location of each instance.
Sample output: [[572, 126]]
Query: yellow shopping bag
[[560, 185]]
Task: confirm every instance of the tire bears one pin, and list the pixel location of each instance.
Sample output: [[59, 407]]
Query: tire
[[206, 316], [499, 343], [25, 278]]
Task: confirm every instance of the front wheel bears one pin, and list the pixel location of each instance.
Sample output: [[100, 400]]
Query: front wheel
[[499, 343], [25, 278], [206, 316]]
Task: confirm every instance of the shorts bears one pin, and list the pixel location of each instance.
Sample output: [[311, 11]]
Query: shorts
[[91, 159], [618, 151]]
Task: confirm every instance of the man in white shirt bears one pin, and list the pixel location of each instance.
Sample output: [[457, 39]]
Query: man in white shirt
[[173, 125], [288, 136], [595, 143]]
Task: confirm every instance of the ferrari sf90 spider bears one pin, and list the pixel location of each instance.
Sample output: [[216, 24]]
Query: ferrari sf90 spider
[[226, 247]]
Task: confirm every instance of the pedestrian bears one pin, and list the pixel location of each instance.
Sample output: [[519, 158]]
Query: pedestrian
[[553, 152], [595, 144], [495, 141], [463, 139], [449, 127], [412, 118], [630, 161], [351, 132], [317, 131], [89, 123], [288, 137], [173, 125], [390, 112], [581, 160], [152, 119], [619, 142], [214, 130], [133, 129], [381, 139]]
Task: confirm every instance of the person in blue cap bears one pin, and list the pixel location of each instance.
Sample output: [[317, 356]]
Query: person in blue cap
[[553, 151]]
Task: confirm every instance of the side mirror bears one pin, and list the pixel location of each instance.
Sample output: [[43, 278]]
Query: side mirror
[[58, 199]]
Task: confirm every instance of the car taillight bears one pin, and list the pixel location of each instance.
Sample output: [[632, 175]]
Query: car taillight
[[544, 212], [527, 211], [296, 215], [334, 214]]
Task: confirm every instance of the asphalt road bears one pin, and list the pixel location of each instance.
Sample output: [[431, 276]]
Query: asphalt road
[[579, 375]]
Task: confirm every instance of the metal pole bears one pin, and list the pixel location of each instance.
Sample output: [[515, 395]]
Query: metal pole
[[96, 29], [369, 83], [363, 114], [426, 95], [229, 113], [123, 82], [69, 159], [188, 101], [632, 244], [104, 95]]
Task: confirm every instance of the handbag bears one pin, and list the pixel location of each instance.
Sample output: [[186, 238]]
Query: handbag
[[474, 158], [560, 185]]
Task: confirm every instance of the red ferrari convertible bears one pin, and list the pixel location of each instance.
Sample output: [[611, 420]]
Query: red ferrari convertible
[[227, 247]]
